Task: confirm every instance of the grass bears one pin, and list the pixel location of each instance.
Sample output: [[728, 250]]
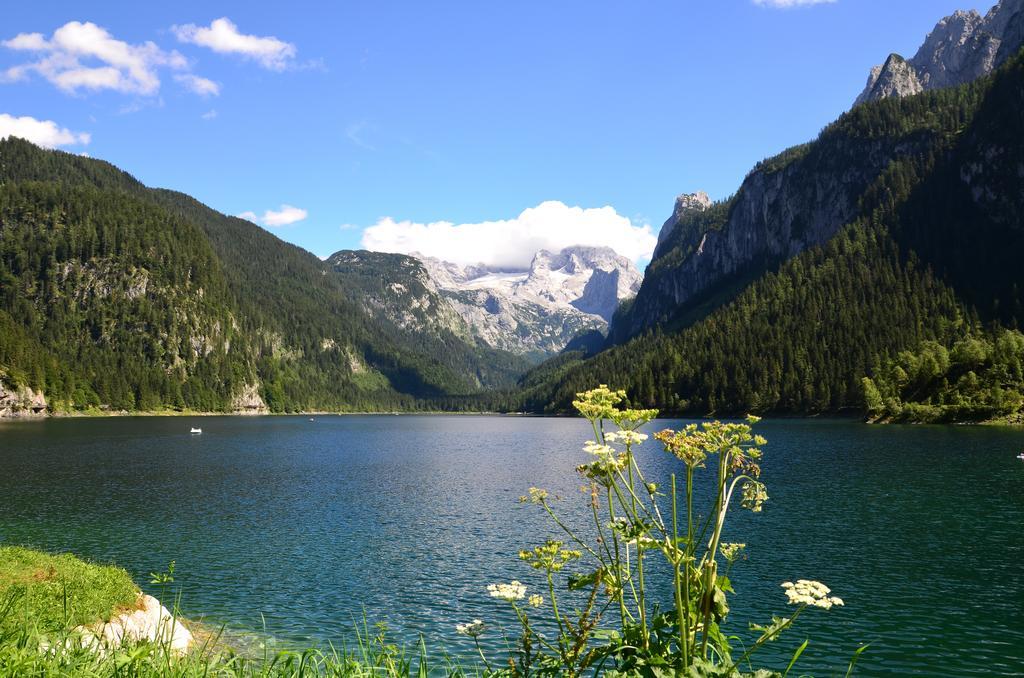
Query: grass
[[54, 592], [44, 596]]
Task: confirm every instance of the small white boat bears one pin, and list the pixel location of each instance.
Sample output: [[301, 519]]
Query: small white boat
[[1021, 456], [196, 430]]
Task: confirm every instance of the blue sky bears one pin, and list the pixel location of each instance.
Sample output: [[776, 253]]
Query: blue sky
[[426, 112]]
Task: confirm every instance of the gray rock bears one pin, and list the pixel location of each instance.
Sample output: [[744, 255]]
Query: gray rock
[[249, 401], [539, 309], [687, 202], [601, 294], [962, 47], [895, 77], [777, 213], [20, 401]]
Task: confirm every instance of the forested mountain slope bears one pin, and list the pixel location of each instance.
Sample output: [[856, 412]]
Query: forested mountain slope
[[926, 213], [398, 292], [117, 296]]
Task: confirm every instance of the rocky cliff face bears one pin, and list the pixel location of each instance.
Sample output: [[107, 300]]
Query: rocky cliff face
[[894, 78], [685, 204], [20, 401], [786, 205], [962, 47], [538, 310], [249, 401]]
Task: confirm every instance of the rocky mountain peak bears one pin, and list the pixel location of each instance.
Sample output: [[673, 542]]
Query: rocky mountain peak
[[578, 259], [539, 308], [543, 260], [692, 201], [896, 77], [686, 202], [962, 47]]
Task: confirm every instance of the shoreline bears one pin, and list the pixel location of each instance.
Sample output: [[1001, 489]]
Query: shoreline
[[441, 413], [174, 414]]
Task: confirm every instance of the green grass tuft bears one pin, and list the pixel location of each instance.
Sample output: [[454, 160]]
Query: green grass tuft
[[55, 592], [43, 597]]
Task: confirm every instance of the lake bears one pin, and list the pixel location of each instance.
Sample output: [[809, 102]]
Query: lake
[[295, 528]]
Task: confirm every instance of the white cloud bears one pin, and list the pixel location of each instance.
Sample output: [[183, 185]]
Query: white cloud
[[223, 36], [44, 133], [789, 4], [83, 56], [204, 87], [209, 115], [288, 214], [511, 243], [284, 216], [27, 41]]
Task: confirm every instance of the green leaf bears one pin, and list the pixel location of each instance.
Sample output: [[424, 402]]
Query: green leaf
[[856, 656], [581, 581], [796, 656]]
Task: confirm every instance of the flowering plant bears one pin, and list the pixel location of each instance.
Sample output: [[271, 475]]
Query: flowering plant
[[631, 528]]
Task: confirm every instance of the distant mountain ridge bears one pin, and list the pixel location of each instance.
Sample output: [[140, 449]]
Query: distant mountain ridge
[[115, 296], [538, 310], [962, 47]]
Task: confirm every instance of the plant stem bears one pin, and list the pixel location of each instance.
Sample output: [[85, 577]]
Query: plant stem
[[618, 561], [656, 519], [689, 547], [711, 564], [572, 535], [558, 618], [684, 631], [643, 598], [689, 506], [600, 531], [525, 621], [481, 653]]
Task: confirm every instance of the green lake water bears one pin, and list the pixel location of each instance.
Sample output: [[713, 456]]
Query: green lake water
[[294, 529]]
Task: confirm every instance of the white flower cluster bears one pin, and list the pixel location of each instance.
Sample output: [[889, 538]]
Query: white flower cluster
[[590, 447], [809, 592], [625, 437], [512, 591], [473, 629], [608, 459]]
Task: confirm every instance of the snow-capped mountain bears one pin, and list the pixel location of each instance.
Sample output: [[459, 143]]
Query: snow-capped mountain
[[539, 309]]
